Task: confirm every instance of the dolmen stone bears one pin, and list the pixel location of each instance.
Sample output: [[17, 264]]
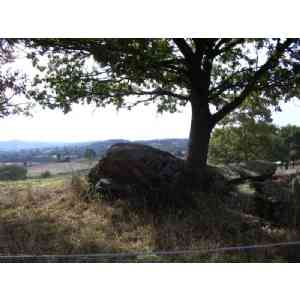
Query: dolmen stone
[[133, 167]]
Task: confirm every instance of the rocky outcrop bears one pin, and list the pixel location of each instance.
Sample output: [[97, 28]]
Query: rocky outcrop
[[135, 168], [142, 167], [274, 202], [257, 170], [131, 169], [272, 197]]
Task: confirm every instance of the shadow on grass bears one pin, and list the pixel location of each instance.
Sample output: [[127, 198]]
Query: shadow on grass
[[124, 228], [212, 225]]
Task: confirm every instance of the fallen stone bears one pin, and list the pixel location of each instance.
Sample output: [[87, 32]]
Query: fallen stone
[[274, 202], [251, 170]]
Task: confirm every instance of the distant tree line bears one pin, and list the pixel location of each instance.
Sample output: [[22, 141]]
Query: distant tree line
[[12, 172]]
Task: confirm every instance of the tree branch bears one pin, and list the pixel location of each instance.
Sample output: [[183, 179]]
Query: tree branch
[[227, 84], [229, 45], [185, 49], [200, 48], [157, 92], [271, 62]]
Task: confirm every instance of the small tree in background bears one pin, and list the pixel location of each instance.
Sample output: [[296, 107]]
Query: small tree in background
[[58, 156], [248, 141], [46, 174], [90, 154], [254, 140]]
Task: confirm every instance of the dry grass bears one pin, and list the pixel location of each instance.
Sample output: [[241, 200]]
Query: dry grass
[[52, 219], [60, 167], [50, 216]]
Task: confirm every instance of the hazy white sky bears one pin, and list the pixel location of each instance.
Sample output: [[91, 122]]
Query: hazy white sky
[[86, 123]]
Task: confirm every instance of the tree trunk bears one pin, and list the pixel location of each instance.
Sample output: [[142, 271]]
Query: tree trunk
[[200, 132], [194, 176]]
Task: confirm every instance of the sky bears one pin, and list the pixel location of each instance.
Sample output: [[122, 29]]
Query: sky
[[85, 123]]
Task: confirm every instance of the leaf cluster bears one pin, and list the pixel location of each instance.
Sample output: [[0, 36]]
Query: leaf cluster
[[12, 83]]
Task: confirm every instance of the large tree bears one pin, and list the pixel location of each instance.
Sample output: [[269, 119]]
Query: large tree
[[215, 76]]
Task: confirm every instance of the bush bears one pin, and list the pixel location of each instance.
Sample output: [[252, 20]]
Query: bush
[[12, 172], [46, 174]]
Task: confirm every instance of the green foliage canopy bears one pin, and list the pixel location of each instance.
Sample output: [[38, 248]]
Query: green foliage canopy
[[248, 141], [252, 140], [164, 71]]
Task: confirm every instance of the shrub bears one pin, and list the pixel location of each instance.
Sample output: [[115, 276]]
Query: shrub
[[12, 172], [46, 174]]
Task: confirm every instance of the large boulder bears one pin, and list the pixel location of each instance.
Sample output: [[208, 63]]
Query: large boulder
[[134, 167]]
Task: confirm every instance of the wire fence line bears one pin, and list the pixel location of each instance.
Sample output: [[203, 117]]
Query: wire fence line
[[102, 257]]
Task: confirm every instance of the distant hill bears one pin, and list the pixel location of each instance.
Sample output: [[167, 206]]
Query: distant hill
[[170, 145], [16, 145], [102, 146], [98, 146], [22, 151]]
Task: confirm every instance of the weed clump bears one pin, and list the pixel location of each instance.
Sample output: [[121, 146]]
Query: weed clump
[[46, 174], [29, 194], [79, 187]]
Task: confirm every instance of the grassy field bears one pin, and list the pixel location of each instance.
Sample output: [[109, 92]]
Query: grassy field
[[49, 216], [60, 167]]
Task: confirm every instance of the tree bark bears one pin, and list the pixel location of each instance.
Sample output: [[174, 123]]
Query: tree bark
[[194, 175], [200, 132]]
